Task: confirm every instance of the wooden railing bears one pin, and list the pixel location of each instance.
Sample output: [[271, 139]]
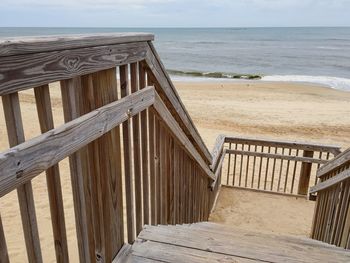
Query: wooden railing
[[135, 156], [274, 166], [331, 223]]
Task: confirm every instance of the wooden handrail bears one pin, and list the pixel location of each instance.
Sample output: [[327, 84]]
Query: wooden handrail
[[277, 156], [338, 161], [21, 163], [28, 45], [340, 177], [286, 144]]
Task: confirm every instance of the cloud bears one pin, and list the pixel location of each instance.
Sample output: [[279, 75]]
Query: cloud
[[83, 3]]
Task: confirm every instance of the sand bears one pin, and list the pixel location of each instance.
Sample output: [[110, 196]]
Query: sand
[[278, 110]]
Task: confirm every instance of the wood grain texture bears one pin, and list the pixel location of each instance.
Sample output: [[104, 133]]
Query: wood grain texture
[[43, 105], [333, 164], [27, 71], [3, 246], [127, 146], [277, 156], [71, 101], [305, 173], [180, 135], [144, 151], [136, 134], [209, 242], [15, 133], [107, 177], [61, 142], [340, 177], [285, 144], [29, 45]]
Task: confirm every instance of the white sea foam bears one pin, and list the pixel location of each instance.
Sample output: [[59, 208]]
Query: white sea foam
[[333, 82]]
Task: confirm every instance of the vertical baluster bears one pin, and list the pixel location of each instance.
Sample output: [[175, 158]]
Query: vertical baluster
[[176, 184], [228, 165], [137, 152], [158, 175], [305, 173], [247, 168], [287, 172], [254, 161], [267, 168], [110, 239], [15, 134], [241, 166], [43, 102], [234, 166], [3, 247], [260, 167], [294, 171], [129, 190], [152, 160], [280, 173], [273, 170], [144, 150], [170, 179], [80, 182]]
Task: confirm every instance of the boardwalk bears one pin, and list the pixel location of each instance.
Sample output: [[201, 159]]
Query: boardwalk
[[209, 242]]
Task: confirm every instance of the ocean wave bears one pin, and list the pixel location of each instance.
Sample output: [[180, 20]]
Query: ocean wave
[[214, 75], [332, 82]]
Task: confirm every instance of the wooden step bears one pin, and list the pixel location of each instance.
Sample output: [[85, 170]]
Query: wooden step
[[210, 242]]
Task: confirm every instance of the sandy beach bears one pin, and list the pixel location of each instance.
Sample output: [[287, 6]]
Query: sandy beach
[[255, 109]]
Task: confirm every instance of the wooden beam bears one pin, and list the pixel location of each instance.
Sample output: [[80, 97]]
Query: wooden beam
[[284, 144], [29, 45], [338, 161], [43, 102], [180, 135], [22, 72], [15, 134], [342, 176], [20, 164], [305, 173], [277, 156]]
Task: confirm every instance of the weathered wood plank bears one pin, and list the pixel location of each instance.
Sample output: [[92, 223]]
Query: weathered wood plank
[[338, 161], [59, 143], [109, 239], [174, 254], [245, 244], [144, 151], [29, 45], [3, 247], [285, 144], [179, 134], [15, 134], [340, 177], [71, 96], [129, 189], [277, 156], [43, 102], [134, 85], [58, 65], [305, 173]]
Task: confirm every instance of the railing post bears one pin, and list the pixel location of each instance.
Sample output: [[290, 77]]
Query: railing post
[[305, 173]]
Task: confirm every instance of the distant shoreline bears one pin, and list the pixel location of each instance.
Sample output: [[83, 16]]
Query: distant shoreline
[[342, 84]]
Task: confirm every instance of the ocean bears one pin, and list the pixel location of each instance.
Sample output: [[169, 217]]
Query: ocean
[[309, 54]]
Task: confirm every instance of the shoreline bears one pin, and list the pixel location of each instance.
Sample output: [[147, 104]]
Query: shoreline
[[273, 79]]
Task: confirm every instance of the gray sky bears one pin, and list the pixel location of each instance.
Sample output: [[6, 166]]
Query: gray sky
[[174, 13]]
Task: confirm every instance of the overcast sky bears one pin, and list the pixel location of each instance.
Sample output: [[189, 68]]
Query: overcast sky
[[174, 13]]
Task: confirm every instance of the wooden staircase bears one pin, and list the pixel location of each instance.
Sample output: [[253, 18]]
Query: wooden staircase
[[210, 242]]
